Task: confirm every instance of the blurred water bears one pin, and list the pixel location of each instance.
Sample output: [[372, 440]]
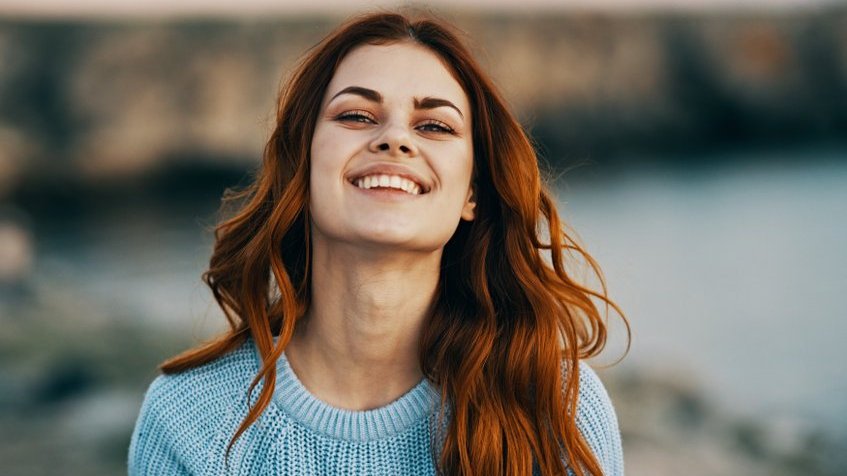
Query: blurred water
[[734, 275], [146, 262]]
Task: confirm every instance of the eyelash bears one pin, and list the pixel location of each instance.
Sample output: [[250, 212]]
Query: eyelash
[[357, 115]]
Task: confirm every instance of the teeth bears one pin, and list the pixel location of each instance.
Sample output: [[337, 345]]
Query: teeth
[[392, 181]]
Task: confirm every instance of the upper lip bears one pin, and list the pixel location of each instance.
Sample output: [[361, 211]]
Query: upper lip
[[389, 169]]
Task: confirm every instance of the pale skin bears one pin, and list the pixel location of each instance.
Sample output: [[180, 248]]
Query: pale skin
[[376, 252]]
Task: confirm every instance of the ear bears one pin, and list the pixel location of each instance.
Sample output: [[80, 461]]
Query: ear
[[468, 209]]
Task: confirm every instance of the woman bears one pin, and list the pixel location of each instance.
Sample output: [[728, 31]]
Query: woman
[[391, 308]]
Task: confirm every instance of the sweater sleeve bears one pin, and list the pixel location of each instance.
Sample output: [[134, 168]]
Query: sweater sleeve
[[598, 423], [151, 448]]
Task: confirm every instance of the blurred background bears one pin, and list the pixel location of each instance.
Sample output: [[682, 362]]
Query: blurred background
[[699, 150]]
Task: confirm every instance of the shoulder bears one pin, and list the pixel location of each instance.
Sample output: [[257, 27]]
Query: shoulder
[[182, 413], [598, 422], [222, 380]]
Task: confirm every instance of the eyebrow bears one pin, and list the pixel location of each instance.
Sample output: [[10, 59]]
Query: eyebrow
[[371, 95]]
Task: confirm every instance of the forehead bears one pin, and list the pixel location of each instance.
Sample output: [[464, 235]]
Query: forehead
[[398, 71]]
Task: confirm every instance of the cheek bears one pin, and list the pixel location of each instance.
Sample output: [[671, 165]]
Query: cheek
[[324, 168], [321, 147], [326, 158], [456, 169]]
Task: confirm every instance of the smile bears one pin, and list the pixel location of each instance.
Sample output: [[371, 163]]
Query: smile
[[388, 181]]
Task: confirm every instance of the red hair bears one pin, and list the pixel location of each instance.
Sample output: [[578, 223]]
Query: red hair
[[508, 324]]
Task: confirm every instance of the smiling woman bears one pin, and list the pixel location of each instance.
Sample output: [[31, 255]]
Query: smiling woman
[[391, 307], [405, 126]]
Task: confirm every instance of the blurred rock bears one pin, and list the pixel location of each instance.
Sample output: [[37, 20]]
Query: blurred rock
[[669, 428], [16, 255], [99, 417], [65, 379], [15, 149], [74, 373]]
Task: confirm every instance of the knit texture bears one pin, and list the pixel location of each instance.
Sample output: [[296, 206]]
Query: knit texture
[[187, 420]]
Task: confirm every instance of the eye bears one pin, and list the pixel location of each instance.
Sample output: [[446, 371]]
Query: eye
[[358, 115], [436, 126]]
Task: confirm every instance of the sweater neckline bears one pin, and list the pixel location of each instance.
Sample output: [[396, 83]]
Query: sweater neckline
[[352, 425]]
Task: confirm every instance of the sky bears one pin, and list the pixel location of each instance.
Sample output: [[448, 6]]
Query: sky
[[123, 8]]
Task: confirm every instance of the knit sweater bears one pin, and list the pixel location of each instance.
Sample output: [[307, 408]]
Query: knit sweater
[[187, 420]]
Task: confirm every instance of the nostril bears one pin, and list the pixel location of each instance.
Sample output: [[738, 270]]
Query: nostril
[[383, 146], [404, 149]]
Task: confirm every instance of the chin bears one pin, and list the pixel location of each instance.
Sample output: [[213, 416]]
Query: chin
[[387, 236], [399, 240]]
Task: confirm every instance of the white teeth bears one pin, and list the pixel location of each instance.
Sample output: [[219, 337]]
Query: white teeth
[[392, 181]]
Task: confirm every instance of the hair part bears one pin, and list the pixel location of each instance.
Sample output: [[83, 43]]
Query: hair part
[[508, 325]]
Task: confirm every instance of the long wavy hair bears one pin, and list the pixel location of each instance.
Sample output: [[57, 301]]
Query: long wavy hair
[[508, 324]]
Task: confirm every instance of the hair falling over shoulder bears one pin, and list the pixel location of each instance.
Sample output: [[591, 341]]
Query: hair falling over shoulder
[[509, 324]]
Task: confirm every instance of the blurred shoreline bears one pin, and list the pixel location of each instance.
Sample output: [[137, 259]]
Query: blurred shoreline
[[108, 100]]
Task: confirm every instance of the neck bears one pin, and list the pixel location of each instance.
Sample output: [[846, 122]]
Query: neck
[[357, 346]]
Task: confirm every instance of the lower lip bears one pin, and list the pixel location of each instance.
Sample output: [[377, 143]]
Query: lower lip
[[388, 194]]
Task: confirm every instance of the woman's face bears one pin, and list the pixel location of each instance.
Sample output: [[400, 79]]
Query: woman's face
[[392, 152]]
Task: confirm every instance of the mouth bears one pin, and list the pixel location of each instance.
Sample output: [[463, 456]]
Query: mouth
[[389, 182]]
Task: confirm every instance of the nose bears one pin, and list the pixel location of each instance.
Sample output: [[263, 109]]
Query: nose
[[395, 140]]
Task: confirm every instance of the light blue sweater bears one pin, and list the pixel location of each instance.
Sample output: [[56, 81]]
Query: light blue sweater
[[187, 419]]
